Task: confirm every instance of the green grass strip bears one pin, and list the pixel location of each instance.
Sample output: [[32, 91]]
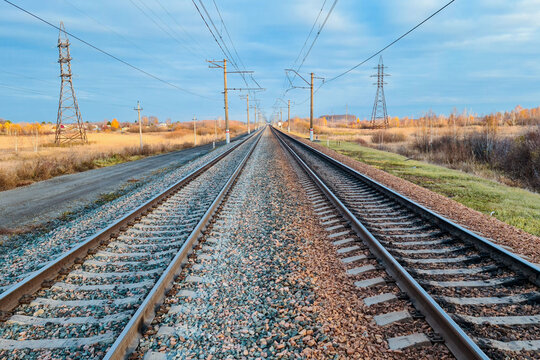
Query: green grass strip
[[514, 206]]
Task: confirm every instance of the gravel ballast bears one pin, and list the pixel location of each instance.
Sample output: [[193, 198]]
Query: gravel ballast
[[266, 282]]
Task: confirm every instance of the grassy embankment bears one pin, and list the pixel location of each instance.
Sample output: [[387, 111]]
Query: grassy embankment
[[514, 206]]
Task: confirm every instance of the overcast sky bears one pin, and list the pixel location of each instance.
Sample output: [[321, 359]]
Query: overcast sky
[[481, 55]]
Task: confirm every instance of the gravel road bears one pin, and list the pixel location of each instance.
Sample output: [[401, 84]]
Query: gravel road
[[46, 200]]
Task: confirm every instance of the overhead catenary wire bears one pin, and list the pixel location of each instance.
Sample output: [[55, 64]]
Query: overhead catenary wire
[[392, 43], [321, 27], [209, 29], [228, 35], [239, 60], [317, 35], [104, 52], [218, 38], [304, 45], [309, 35], [227, 52]]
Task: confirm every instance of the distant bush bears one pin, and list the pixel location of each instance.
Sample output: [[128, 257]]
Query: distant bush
[[385, 136], [518, 158], [360, 141]]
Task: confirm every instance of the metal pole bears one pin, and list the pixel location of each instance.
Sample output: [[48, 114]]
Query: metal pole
[[215, 135], [138, 109], [311, 112], [256, 117], [227, 135], [194, 131], [289, 116], [247, 99]]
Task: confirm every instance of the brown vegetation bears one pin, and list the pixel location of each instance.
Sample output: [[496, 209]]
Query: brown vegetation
[[28, 154], [503, 146]]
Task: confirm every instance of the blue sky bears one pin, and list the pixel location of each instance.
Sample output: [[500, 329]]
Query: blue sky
[[479, 55]]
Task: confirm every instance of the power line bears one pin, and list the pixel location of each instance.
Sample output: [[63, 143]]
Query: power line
[[171, 35], [378, 52], [314, 39], [228, 35], [160, 60], [232, 43], [189, 36], [208, 26], [318, 33], [392, 43], [106, 53], [228, 52], [309, 35]]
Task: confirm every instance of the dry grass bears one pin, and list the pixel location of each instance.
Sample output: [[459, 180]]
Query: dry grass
[[420, 142], [104, 149]]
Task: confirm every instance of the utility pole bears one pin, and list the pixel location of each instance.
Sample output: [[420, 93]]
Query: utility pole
[[215, 135], [256, 117], [247, 111], [227, 135], [310, 87], [311, 112], [288, 103], [194, 131], [289, 116], [216, 64], [138, 109]]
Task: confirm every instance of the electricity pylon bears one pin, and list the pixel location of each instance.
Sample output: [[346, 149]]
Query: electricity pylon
[[69, 124], [379, 116]]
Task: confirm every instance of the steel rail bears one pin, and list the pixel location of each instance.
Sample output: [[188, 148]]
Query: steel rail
[[516, 263], [128, 339], [459, 343], [10, 298]]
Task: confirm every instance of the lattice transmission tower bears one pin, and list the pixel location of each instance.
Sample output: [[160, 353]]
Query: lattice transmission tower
[[69, 124], [379, 115]]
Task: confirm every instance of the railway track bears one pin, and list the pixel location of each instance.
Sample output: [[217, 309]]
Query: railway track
[[482, 299], [91, 301]]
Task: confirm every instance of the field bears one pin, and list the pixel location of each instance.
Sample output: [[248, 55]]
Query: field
[[506, 154], [22, 164], [514, 206]]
